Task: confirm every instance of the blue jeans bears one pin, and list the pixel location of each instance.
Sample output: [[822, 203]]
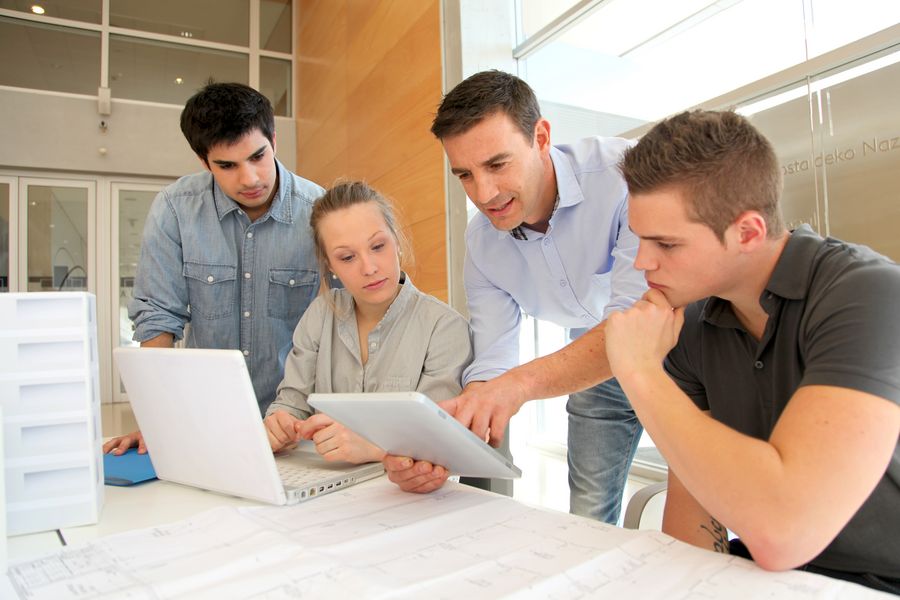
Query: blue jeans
[[603, 437]]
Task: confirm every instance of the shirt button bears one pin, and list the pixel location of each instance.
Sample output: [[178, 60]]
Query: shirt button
[[373, 345], [291, 282], [246, 313], [210, 279], [546, 241], [249, 235], [758, 364], [584, 316], [562, 283], [246, 353], [246, 275]]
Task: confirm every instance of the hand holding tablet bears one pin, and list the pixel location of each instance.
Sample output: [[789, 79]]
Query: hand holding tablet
[[410, 424]]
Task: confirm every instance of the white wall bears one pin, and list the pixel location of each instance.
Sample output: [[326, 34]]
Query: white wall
[[62, 133]]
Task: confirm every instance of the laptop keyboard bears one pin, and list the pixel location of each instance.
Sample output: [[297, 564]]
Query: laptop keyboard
[[301, 477]]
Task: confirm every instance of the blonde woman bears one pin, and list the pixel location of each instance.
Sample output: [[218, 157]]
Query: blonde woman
[[377, 334]]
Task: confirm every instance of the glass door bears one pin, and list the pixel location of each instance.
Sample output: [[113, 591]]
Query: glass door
[[57, 232], [857, 135], [7, 234], [838, 140], [785, 120], [130, 204]]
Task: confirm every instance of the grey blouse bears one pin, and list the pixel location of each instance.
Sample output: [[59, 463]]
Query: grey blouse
[[420, 344]]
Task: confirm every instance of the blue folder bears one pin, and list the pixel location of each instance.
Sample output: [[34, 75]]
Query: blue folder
[[128, 468]]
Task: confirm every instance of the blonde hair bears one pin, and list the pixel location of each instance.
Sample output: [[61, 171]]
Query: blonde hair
[[345, 194]]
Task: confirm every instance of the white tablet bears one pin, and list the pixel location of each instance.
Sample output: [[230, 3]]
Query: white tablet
[[410, 424]]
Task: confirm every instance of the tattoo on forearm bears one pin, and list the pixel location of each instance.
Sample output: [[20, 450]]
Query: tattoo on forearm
[[719, 535]]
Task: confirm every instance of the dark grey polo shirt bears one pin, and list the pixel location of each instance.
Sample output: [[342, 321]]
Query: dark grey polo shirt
[[832, 321]]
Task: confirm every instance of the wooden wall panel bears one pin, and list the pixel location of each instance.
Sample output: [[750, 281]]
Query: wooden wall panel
[[369, 80]]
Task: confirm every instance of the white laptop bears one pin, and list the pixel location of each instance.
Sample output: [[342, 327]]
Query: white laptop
[[201, 423]]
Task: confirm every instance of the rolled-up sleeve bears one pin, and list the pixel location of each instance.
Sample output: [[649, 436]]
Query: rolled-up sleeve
[[160, 302]]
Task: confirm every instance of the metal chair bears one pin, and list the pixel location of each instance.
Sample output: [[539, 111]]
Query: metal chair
[[638, 502]]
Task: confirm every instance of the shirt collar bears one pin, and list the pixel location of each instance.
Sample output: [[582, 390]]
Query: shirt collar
[[789, 280], [397, 308], [567, 188], [521, 232], [281, 204], [568, 192]]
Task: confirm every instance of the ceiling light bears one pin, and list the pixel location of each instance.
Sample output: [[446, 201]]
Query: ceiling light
[[179, 80], [37, 9]]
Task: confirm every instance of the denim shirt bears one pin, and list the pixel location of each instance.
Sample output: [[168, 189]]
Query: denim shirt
[[240, 284]]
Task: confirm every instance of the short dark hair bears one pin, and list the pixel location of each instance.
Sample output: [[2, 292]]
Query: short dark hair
[[723, 164], [224, 113], [482, 95]]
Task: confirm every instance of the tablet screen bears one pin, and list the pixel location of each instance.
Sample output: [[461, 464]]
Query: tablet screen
[[410, 424]]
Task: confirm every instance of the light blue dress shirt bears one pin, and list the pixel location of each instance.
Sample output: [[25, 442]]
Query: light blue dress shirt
[[574, 275], [240, 284]]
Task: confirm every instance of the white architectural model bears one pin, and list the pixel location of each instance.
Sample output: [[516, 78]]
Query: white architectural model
[[49, 377]]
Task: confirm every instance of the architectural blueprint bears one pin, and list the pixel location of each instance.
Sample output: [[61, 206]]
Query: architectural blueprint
[[375, 541]]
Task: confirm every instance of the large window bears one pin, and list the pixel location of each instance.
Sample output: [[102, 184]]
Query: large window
[[818, 77], [60, 59], [640, 60], [224, 21], [167, 72], [157, 52]]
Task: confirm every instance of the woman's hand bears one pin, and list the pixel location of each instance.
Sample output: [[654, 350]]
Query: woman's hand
[[282, 429], [335, 442]]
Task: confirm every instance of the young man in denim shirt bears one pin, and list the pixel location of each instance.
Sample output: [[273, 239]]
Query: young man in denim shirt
[[227, 250]]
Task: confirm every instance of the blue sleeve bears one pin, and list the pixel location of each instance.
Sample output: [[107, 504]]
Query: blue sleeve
[[495, 318], [160, 303], [628, 284]]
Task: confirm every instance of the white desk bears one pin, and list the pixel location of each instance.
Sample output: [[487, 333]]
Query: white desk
[[125, 508], [372, 540], [148, 504], [32, 545]]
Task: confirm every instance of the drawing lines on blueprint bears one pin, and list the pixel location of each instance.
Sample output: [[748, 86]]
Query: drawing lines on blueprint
[[374, 541]]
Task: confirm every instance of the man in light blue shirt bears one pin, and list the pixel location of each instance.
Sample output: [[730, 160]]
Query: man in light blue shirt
[[227, 250], [552, 241]]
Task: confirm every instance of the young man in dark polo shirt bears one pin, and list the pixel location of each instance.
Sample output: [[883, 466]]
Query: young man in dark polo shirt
[[772, 386]]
